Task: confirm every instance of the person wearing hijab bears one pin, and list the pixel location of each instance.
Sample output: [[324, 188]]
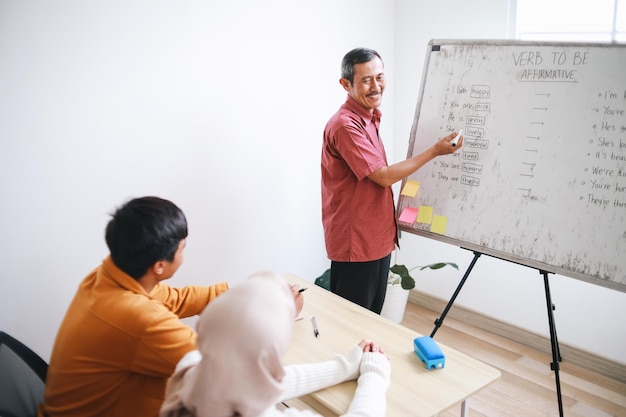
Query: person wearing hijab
[[237, 370]]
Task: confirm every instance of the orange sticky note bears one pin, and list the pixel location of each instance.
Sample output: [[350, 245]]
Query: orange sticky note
[[439, 225], [425, 214], [408, 215], [411, 188]]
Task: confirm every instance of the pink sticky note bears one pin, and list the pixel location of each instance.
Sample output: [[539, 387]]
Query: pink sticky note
[[408, 215]]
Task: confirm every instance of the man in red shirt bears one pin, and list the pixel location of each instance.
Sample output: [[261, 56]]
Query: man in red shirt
[[358, 210]]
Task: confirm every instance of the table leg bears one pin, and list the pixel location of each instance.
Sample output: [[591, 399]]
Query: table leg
[[464, 408]]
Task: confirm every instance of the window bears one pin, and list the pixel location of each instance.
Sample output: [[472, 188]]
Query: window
[[565, 20]]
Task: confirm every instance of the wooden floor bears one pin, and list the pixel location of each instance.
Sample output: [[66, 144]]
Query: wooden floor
[[527, 387]]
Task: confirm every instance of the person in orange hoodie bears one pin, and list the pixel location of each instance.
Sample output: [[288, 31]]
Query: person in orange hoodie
[[122, 336]]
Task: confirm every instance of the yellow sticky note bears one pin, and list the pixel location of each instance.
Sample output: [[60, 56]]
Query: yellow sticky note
[[439, 225], [411, 188], [425, 214]]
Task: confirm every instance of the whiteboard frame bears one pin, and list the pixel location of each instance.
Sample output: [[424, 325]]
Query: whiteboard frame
[[468, 245]]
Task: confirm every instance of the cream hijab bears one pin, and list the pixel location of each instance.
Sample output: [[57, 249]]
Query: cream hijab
[[242, 336]]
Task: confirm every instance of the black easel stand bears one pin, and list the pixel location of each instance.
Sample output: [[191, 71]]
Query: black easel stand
[[439, 321], [556, 353]]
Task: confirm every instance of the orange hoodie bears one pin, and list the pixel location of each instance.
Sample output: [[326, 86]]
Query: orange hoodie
[[118, 345]]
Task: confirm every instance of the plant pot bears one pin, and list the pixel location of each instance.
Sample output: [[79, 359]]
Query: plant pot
[[395, 303]]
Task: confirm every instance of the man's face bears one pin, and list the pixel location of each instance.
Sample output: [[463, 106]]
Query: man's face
[[369, 84]]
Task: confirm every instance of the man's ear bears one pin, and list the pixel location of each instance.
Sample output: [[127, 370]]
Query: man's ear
[[345, 83], [157, 268]]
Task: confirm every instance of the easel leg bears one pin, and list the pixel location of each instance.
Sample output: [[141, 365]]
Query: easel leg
[[556, 353], [439, 321]]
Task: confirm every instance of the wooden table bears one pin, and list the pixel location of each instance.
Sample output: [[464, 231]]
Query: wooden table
[[414, 391]]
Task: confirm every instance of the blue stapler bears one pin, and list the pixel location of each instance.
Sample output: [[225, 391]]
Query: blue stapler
[[429, 352]]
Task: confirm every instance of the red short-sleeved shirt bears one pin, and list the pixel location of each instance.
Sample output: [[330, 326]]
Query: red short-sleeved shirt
[[358, 214]]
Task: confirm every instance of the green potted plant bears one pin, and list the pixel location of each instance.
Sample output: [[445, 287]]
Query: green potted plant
[[399, 283], [400, 274]]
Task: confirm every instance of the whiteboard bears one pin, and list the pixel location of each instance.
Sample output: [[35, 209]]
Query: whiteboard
[[541, 177]]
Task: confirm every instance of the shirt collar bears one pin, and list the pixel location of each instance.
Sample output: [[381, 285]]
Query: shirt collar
[[112, 272], [352, 105]]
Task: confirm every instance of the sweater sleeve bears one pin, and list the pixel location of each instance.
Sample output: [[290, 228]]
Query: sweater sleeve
[[370, 397], [173, 405], [304, 379], [190, 300]]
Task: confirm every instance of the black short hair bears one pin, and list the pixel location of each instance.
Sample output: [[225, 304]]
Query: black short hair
[[356, 56], [143, 231]]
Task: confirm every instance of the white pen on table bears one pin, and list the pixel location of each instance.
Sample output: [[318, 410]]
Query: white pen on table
[[316, 331]]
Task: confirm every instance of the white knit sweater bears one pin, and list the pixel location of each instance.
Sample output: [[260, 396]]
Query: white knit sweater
[[370, 397], [372, 370]]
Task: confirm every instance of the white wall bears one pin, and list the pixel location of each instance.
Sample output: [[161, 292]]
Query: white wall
[[219, 107]]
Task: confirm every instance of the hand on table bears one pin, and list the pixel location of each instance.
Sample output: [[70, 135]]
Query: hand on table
[[370, 346], [298, 298]]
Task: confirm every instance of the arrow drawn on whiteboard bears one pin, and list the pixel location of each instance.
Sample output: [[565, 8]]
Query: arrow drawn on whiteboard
[[534, 137], [536, 123], [540, 108], [531, 150], [543, 94], [527, 175], [532, 165]]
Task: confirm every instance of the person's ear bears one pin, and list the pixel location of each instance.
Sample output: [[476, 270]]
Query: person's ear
[[345, 83], [158, 268]]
